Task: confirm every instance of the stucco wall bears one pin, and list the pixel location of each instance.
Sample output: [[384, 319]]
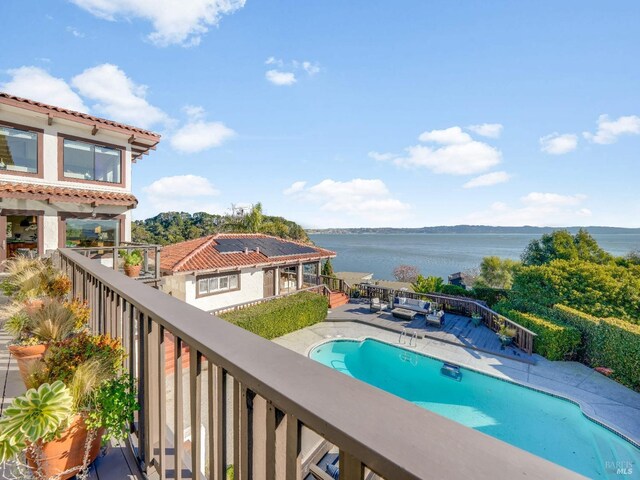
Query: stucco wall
[[50, 148], [174, 285], [50, 172], [251, 288]]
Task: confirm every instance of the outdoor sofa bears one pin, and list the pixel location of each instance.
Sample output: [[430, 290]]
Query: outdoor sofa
[[419, 306]]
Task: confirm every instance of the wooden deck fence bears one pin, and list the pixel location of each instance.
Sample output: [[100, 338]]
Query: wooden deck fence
[[275, 394], [466, 306]]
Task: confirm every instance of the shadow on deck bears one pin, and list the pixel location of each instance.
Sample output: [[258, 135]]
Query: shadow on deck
[[458, 330]]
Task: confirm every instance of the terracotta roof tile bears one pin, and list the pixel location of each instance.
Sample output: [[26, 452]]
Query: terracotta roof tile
[[200, 255], [65, 194], [81, 115]]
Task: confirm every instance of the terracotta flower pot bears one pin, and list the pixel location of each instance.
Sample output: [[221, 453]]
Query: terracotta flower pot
[[25, 356], [65, 454], [132, 271]]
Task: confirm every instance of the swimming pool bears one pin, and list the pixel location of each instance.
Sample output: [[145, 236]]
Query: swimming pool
[[547, 426]]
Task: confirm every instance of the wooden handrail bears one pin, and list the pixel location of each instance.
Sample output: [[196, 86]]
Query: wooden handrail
[[524, 337], [275, 393]]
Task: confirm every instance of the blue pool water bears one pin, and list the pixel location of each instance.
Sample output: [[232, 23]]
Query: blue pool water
[[542, 424]]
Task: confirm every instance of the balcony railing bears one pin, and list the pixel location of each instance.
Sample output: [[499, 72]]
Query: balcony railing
[[275, 395], [111, 257]]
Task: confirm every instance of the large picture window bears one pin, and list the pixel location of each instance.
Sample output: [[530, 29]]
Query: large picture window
[[92, 232], [218, 284], [85, 161], [18, 150]]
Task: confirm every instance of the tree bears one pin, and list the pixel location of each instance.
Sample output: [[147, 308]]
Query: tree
[[327, 269], [427, 284], [253, 220], [406, 273], [561, 245], [496, 272]]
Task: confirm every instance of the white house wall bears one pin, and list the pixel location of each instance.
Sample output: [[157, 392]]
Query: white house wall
[[251, 288], [50, 172], [50, 148], [174, 285]]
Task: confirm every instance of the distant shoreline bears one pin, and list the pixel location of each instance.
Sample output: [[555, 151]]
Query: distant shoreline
[[469, 229]]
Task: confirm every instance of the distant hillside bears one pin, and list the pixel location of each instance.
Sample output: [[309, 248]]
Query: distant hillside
[[472, 229], [172, 227]]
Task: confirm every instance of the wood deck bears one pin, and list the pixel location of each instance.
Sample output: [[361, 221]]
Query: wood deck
[[457, 330], [116, 463]]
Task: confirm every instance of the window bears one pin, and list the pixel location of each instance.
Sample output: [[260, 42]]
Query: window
[[85, 161], [218, 284], [92, 232], [18, 150]]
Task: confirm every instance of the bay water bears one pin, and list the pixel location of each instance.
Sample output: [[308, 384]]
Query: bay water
[[439, 254]]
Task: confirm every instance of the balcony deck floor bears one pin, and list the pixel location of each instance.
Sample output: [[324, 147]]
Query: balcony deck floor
[[116, 464], [458, 330]]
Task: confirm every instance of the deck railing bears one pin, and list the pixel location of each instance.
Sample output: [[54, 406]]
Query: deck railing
[[110, 257], [466, 306], [334, 284], [275, 394]]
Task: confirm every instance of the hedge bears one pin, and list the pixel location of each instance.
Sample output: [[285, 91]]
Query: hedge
[[553, 341], [281, 316], [607, 342]]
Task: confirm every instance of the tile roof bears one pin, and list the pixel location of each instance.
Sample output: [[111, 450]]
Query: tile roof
[[14, 100], [35, 191], [199, 255]]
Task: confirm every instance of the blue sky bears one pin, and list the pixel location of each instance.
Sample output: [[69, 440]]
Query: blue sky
[[358, 113]]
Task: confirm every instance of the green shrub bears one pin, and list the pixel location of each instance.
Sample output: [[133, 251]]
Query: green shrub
[[281, 316], [456, 290], [607, 342], [489, 295], [553, 340]]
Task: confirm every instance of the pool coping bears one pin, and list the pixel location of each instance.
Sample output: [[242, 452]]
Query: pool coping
[[585, 408]]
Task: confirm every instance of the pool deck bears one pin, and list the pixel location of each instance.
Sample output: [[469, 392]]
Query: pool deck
[[599, 397], [457, 330]]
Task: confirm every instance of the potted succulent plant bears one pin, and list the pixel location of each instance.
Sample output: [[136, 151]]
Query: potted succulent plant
[[132, 262], [35, 325], [476, 318], [79, 396]]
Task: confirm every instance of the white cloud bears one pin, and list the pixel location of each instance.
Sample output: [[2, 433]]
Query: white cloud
[[311, 68], [182, 193], [294, 188], [487, 180], [491, 130], [537, 209], [459, 154], [194, 112], [76, 33], [358, 201], [285, 73], [280, 78], [448, 136], [117, 96], [36, 84], [180, 22], [609, 130], [198, 135], [553, 199], [558, 144], [382, 157]]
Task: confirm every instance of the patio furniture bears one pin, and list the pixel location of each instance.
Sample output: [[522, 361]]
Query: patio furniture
[[377, 306], [435, 319], [403, 313], [419, 306]]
